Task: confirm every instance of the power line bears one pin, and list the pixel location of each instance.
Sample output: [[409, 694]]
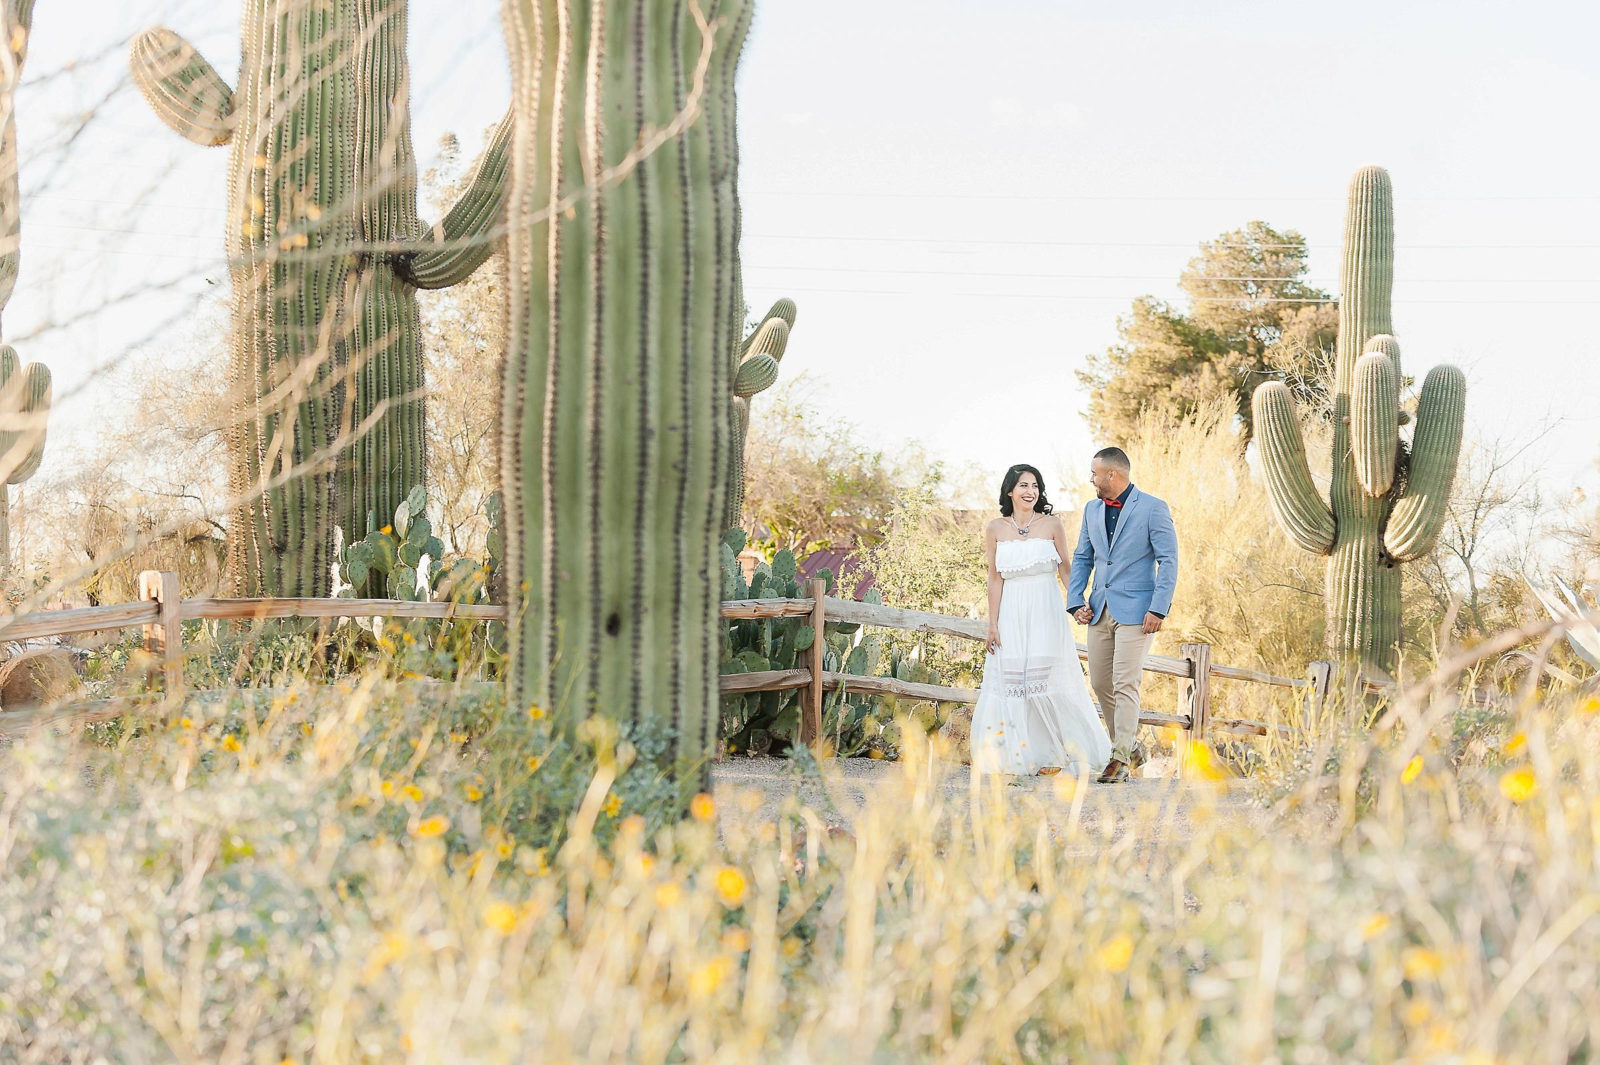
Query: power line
[[1307, 279], [1141, 197], [858, 237], [1124, 298]]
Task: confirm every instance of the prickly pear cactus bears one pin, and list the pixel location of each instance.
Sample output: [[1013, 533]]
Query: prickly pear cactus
[[755, 370], [404, 560], [1389, 495], [326, 253]]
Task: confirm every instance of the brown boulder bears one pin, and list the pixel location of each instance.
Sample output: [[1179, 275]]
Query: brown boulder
[[37, 677]]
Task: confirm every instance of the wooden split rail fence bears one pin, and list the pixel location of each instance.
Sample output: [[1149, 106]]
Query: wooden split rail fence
[[161, 612]]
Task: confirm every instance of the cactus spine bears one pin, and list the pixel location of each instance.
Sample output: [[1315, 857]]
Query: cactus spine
[[326, 253], [615, 447], [1386, 502], [755, 369], [24, 390]]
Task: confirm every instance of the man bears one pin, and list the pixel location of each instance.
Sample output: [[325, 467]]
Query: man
[[1127, 539]]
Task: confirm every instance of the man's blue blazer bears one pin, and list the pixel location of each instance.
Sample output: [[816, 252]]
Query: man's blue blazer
[[1137, 571]]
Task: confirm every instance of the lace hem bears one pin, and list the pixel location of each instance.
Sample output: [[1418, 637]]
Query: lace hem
[[1023, 691]]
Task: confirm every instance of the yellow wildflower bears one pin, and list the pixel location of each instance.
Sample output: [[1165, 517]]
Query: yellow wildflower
[[705, 980], [1412, 771], [668, 894], [1519, 784], [504, 848], [230, 742], [1200, 760], [1375, 926], [1420, 963], [1115, 954], [703, 807], [791, 946], [186, 722], [731, 886], [612, 805], [536, 712], [1516, 743], [501, 917], [1416, 1012], [736, 941], [429, 827], [387, 789], [534, 762], [412, 792]]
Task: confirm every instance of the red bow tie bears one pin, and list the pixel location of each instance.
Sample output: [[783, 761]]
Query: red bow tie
[[1116, 503]]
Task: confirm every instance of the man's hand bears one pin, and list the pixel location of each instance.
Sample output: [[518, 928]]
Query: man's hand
[[1152, 624], [1084, 615]]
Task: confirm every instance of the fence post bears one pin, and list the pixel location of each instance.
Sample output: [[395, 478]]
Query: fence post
[[811, 707], [1319, 677], [1194, 692], [163, 638]]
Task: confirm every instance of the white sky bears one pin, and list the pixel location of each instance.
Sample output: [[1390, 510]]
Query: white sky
[[962, 198]]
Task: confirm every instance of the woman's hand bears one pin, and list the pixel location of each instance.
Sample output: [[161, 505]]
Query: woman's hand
[[994, 638]]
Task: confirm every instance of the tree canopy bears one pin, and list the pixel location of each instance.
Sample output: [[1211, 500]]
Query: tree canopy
[[1251, 317]]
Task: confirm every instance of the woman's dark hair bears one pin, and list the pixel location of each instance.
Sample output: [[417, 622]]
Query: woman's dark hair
[[1013, 475]]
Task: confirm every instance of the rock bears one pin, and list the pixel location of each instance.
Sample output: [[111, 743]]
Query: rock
[[37, 677]]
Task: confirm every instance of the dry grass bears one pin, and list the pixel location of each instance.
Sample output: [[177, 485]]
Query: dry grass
[[373, 874]]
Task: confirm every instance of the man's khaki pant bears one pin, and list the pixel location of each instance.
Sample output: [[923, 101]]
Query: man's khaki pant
[[1116, 669]]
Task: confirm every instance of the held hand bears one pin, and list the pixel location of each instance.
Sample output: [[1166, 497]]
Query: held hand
[[1152, 624], [994, 638], [1084, 615]]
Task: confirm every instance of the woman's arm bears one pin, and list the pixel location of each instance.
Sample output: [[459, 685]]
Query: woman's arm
[[996, 585]]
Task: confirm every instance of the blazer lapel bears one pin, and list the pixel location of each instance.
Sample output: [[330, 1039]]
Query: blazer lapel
[[1095, 515], [1122, 519]]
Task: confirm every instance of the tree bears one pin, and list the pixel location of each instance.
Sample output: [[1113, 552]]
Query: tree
[[810, 484], [1252, 318], [464, 338]]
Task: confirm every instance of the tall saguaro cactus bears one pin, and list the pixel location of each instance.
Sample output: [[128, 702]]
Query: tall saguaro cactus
[[755, 370], [1387, 500], [24, 390], [624, 328], [326, 253]]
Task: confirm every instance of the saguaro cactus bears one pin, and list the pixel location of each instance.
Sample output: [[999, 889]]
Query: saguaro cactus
[[24, 391], [326, 253], [624, 328], [1387, 500], [755, 369]]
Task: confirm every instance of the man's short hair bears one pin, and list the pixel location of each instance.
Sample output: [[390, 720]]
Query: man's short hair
[[1115, 456]]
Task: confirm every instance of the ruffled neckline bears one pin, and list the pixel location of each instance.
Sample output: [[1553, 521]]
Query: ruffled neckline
[[1008, 560]]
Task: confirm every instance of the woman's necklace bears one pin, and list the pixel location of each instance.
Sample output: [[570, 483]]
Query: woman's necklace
[[1022, 530]]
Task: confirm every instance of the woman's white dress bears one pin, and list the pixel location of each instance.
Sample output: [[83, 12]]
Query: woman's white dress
[[1034, 708]]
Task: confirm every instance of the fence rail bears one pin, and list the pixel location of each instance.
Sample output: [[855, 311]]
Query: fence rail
[[161, 612]]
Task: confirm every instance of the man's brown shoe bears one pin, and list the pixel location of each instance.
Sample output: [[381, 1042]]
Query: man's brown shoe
[[1137, 759], [1116, 772]]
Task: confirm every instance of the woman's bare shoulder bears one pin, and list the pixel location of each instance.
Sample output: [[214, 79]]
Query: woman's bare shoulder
[[993, 526]]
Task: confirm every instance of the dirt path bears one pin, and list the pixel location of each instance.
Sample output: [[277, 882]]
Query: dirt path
[[1153, 800]]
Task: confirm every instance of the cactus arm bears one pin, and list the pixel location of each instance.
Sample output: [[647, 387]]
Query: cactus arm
[[24, 413], [785, 311], [182, 88], [1420, 514], [1301, 509], [1375, 422], [466, 236]]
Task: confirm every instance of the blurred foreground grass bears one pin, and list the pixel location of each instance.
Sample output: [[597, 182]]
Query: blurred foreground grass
[[382, 870]]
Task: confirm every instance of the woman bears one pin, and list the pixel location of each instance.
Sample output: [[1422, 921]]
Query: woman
[[1034, 714]]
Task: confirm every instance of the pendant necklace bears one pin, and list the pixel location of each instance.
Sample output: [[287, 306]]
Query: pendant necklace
[[1022, 530]]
